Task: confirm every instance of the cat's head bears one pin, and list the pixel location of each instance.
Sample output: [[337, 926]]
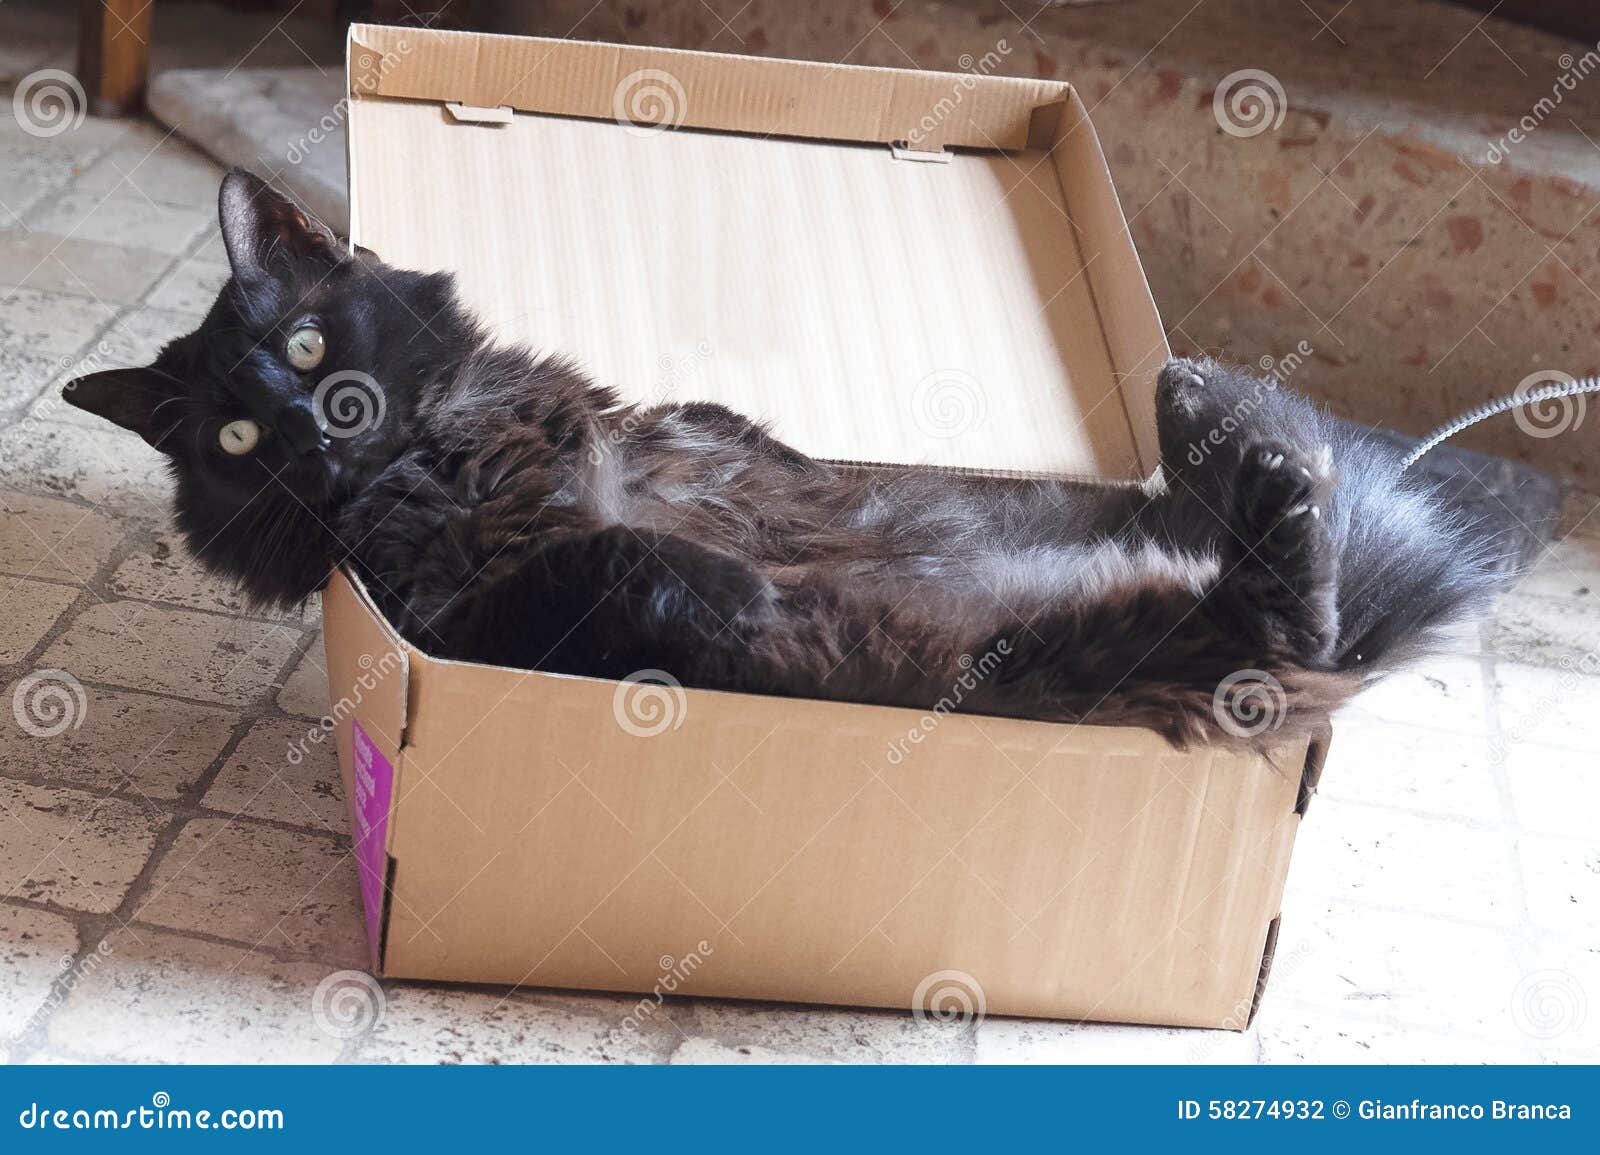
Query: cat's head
[[296, 388]]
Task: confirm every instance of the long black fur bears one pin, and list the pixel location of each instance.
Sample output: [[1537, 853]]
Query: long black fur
[[506, 509]]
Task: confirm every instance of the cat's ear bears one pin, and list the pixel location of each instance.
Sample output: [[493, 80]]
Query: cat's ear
[[262, 230], [131, 398]]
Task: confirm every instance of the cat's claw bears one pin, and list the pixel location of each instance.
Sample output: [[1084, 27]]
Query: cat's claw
[[1278, 487]]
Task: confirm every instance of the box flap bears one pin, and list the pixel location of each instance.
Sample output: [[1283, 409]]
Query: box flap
[[927, 110], [987, 313]]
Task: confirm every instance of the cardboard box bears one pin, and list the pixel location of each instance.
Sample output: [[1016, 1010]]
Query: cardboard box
[[968, 298]]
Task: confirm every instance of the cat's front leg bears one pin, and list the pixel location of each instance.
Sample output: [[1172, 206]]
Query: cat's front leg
[[619, 600]]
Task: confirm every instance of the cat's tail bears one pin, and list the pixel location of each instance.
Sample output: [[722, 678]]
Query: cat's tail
[[1411, 566]]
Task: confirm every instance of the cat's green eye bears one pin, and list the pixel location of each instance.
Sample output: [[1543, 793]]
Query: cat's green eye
[[239, 437], [305, 348]]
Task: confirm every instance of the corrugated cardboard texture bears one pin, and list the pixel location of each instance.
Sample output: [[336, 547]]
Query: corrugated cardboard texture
[[930, 110], [872, 309], [547, 830], [1076, 872], [366, 673]]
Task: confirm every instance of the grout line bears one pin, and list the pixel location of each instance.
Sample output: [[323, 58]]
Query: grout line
[[95, 928], [168, 806]]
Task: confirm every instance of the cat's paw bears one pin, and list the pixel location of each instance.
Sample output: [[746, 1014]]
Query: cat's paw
[[1286, 565], [1281, 496]]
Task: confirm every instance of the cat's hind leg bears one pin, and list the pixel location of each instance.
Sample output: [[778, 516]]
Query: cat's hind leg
[[1280, 568]]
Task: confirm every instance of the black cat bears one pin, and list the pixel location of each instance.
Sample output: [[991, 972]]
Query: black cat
[[503, 508]]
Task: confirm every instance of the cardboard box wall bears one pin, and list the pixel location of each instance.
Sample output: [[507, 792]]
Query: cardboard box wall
[[969, 298]]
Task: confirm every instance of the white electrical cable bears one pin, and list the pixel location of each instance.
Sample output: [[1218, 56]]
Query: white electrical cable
[[1546, 392]]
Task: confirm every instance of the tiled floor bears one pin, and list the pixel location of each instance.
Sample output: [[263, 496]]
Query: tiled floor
[[172, 888]]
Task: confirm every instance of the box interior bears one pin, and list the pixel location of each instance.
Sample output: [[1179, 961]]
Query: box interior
[[872, 307]]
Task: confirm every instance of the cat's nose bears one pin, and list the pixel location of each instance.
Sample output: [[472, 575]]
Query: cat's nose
[[297, 425]]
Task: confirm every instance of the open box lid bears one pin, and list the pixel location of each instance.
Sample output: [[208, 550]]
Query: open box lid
[[695, 226]]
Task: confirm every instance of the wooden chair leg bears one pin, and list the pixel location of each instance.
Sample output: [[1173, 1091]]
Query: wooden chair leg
[[114, 54]]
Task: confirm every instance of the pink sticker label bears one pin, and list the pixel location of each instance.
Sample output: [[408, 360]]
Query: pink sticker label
[[374, 779]]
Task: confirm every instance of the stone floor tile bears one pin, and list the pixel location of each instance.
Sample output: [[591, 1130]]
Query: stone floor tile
[[107, 274], [25, 372], [830, 1034], [708, 1052], [1569, 568], [1418, 969], [1348, 851], [102, 465], [285, 769], [1550, 707], [1556, 1002], [1034, 1041], [32, 174], [1539, 631], [1554, 791], [50, 324], [148, 746], [1426, 770], [158, 165], [74, 147], [122, 216], [159, 997], [164, 570], [139, 335], [71, 848], [1294, 1034], [305, 693], [195, 655], [27, 611], [261, 885], [191, 286], [43, 537], [1443, 692], [469, 1025], [36, 948], [1562, 879]]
